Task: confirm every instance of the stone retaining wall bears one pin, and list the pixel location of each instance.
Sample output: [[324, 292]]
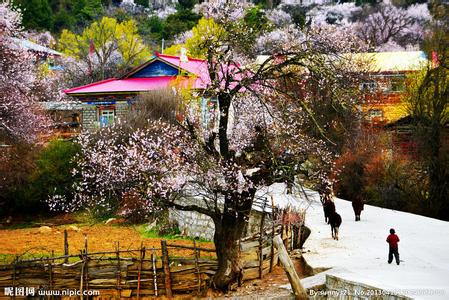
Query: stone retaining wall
[[193, 224], [196, 225], [338, 288]]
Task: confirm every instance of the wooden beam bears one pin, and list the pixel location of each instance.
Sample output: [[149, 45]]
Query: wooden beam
[[289, 268]]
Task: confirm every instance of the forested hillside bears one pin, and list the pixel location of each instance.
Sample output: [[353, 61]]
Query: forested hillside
[[385, 25]]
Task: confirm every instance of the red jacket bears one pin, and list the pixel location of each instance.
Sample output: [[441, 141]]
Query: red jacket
[[393, 240]]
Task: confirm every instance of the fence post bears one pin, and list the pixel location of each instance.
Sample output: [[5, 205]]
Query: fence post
[[166, 265], [282, 231], [261, 240], [82, 275], [197, 266], [153, 261], [142, 256], [272, 234], [86, 260], [66, 246], [14, 277], [50, 269], [117, 254]]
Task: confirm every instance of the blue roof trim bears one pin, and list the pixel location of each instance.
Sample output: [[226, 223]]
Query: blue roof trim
[[156, 68]]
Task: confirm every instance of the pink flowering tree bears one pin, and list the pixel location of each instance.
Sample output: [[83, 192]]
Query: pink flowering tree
[[21, 83], [264, 128]]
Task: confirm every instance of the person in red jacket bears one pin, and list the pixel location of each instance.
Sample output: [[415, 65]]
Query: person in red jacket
[[393, 240]]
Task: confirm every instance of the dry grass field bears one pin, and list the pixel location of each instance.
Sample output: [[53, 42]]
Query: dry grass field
[[41, 241]]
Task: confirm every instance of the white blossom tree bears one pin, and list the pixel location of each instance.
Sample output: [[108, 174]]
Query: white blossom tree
[[385, 27], [21, 83], [390, 24], [267, 130]]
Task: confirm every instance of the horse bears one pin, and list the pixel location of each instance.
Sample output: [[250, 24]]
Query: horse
[[335, 222], [357, 205], [329, 209]]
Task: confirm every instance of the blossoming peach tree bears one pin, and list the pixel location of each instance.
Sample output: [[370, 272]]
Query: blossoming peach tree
[[20, 83], [260, 133]]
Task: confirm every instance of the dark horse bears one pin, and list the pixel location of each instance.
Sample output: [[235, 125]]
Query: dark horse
[[329, 209], [357, 205], [335, 222]]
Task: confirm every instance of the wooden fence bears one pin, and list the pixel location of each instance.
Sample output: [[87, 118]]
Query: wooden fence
[[143, 272]]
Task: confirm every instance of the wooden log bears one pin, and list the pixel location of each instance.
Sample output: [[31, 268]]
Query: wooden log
[[190, 247], [165, 262], [248, 245], [289, 268]]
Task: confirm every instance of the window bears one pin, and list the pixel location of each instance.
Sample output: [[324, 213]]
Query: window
[[375, 113], [368, 86], [397, 84], [106, 117]]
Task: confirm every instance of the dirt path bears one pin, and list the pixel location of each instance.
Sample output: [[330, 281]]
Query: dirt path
[[267, 288]]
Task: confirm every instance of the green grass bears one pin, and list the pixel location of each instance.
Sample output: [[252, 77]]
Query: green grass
[[153, 233], [23, 225]]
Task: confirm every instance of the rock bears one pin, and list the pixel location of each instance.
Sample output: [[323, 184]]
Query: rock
[[44, 229], [113, 221], [110, 220], [73, 228], [151, 225]]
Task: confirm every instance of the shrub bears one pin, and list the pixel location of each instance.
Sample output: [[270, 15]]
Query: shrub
[[381, 177], [53, 173]]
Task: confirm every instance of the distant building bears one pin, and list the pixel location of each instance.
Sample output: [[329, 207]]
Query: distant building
[[105, 101], [383, 105], [385, 84], [43, 54]]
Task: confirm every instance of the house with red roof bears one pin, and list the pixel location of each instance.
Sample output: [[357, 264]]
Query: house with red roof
[[105, 101]]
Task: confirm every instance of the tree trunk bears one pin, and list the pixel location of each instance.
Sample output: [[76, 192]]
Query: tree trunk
[[229, 229]]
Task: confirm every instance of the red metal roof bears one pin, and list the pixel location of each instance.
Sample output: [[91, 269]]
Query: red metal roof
[[197, 68], [132, 85]]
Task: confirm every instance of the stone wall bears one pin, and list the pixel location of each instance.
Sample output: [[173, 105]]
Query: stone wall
[[196, 225], [193, 224], [338, 288], [122, 109], [90, 114]]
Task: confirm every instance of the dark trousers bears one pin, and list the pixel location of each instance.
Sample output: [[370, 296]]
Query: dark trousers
[[395, 252]]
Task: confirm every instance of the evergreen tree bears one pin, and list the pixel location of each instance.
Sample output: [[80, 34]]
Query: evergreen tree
[[37, 14]]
